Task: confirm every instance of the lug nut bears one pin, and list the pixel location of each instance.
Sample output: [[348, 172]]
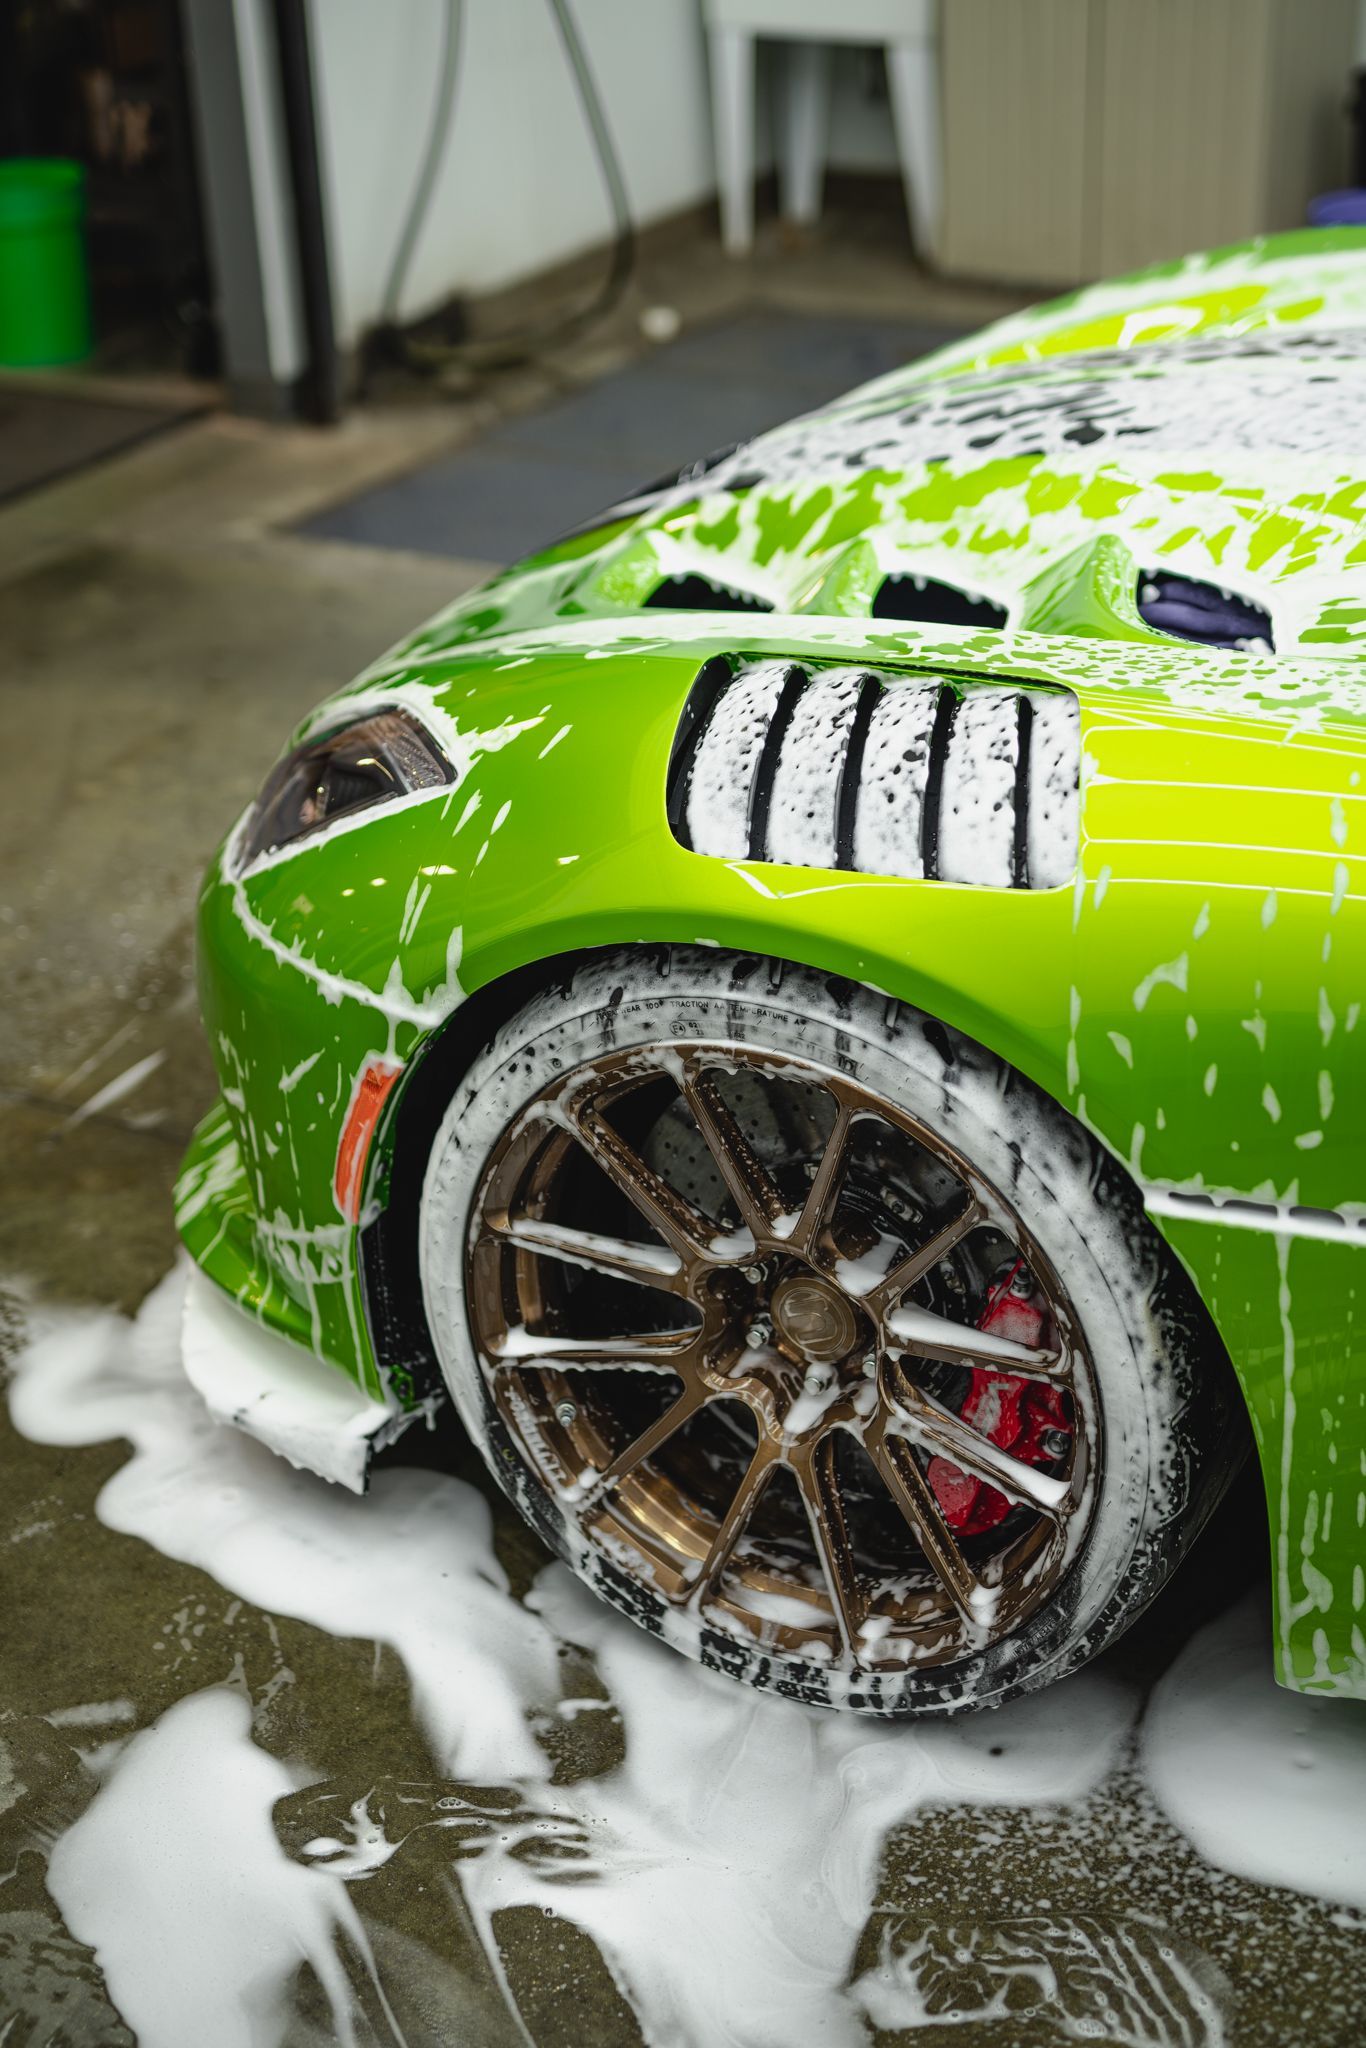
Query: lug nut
[[566, 1413], [758, 1334], [754, 1274]]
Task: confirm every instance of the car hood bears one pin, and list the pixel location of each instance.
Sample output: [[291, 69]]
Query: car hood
[[1204, 421]]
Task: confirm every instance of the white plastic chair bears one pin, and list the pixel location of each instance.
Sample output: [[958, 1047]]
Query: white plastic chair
[[908, 29]]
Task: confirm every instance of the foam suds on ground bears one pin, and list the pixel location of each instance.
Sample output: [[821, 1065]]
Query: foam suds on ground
[[1265, 1782], [174, 1875], [725, 1868]]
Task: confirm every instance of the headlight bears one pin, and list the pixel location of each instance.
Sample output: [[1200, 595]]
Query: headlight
[[384, 756]]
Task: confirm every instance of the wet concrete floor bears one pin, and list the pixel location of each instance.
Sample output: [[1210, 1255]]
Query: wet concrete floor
[[161, 630]]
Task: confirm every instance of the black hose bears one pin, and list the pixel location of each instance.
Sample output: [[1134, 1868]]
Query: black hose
[[505, 351], [319, 391], [624, 238], [442, 107]]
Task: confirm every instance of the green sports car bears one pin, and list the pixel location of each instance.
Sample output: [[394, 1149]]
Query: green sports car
[[823, 1011]]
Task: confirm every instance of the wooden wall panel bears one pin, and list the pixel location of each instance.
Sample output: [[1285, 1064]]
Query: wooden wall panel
[[1179, 116], [1014, 78], [1086, 138], [1314, 49]]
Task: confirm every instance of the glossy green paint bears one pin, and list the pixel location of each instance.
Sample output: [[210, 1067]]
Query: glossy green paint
[[1194, 997]]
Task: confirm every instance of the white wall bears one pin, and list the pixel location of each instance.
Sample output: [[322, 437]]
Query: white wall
[[519, 187]]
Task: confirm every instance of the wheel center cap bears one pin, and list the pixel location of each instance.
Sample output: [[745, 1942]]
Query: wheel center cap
[[813, 1319]]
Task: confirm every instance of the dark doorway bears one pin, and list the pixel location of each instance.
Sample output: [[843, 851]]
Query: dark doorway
[[104, 82]]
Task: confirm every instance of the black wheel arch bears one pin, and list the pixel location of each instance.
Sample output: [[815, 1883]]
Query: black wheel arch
[[388, 1244]]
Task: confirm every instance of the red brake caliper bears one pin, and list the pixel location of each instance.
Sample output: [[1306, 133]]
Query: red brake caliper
[[1025, 1417]]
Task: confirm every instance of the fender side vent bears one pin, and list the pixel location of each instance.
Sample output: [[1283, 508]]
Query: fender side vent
[[912, 776]]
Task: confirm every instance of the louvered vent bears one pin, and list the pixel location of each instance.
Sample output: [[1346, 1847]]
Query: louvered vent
[[884, 774]]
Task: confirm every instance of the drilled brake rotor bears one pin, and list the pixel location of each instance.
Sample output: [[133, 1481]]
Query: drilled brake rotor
[[783, 1356]]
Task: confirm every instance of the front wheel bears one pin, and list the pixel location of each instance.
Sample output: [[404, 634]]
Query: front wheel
[[813, 1337]]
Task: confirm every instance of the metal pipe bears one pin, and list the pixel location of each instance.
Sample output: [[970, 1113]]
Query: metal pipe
[[318, 393]]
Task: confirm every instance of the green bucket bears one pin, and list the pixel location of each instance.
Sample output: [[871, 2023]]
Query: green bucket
[[44, 295]]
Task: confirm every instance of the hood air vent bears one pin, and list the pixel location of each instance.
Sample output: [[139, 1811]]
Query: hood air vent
[[882, 774], [690, 593], [1204, 612], [931, 603]]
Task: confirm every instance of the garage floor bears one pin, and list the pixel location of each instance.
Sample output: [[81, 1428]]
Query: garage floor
[[291, 1782]]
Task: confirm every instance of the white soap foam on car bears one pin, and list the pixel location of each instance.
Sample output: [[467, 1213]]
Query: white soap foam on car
[[977, 803], [801, 825], [1052, 821], [723, 772], [896, 754]]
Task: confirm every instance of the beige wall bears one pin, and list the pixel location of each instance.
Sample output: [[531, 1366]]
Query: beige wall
[[519, 188], [1089, 137]]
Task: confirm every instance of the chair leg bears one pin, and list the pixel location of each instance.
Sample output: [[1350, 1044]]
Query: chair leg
[[732, 103], [913, 81], [805, 124]]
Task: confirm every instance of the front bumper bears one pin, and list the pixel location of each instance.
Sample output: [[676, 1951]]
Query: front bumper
[[295, 1403], [298, 1281]]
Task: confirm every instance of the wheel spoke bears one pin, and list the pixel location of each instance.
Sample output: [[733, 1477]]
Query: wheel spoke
[[914, 1496], [823, 1192], [921, 1418], [647, 1351], [908, 1272], [924, 1335], [643, 1446], [684, 1229], [758, 1472], [756, 1194], [651, 1265], [818, 1481]]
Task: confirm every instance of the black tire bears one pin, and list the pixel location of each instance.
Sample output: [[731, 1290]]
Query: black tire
[[1171, 1423]]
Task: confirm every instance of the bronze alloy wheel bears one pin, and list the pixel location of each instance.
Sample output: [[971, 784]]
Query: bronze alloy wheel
[[742, 1318]]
